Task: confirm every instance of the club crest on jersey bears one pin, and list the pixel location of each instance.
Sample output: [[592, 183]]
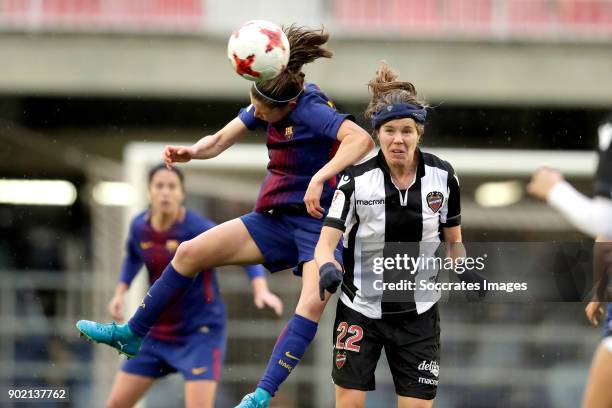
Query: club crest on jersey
[[340, 359], [289, 132], [172, 245], [435, 199]]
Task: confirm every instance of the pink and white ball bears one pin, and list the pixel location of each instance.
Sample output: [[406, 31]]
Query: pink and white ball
[[258, 51]]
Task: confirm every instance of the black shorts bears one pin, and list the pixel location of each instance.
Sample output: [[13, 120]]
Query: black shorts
[[412, 346]]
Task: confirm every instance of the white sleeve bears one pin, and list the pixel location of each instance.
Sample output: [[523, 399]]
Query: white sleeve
[[591, 216]]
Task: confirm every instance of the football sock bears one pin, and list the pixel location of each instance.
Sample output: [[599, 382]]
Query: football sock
[[289, 349], [166, 290]]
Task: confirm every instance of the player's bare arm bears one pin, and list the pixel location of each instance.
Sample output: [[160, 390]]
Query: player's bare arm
[[209, 146], [592, 216], [355, 143], [212, 146], [324, 251]]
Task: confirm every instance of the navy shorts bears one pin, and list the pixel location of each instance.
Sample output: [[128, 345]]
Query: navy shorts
[[286, 240], [197, 356]]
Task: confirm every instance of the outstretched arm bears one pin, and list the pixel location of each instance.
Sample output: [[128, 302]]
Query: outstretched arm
[[591, 216], [207, 147]]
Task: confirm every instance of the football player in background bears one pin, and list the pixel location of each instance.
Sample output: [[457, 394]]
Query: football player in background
[[190, 336], [592, 216], [309, 143]]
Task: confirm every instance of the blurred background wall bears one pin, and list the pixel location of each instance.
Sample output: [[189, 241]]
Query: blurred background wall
[[514, 84]]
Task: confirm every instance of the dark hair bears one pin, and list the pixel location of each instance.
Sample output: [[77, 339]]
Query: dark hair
[[305, 46], [387, 90], [162, 166]]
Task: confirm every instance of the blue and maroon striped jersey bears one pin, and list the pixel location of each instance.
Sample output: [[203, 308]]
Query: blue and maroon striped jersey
[[298, 147], [201, 305]]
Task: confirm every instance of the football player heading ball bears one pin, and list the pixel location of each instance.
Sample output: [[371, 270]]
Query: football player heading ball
[[309, 143]]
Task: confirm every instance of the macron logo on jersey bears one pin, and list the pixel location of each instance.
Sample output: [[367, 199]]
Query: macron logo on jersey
[[379, 201]]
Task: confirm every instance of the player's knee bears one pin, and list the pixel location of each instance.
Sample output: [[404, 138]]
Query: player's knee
[[186, 258], [349, 401], [185, 252], [311, 309]]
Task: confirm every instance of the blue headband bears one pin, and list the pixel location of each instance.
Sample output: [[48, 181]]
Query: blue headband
[[399, 111]]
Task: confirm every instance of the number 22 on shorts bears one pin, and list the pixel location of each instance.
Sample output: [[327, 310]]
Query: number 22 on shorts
[[356, 333]]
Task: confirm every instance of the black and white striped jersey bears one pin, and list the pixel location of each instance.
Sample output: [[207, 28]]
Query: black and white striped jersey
[[370, 209], [603, 176]]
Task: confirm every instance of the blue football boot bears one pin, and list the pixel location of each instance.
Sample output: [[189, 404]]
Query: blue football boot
[[258, 399], [118, 336]]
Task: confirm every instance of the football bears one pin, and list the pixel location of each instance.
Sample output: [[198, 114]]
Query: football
[[258, 51]]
